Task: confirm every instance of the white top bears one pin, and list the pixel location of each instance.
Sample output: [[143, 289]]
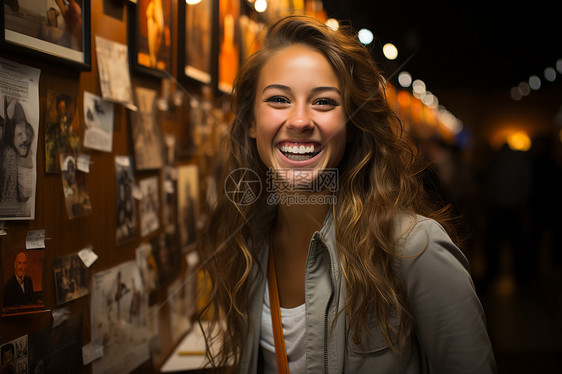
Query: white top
[[294, 332]]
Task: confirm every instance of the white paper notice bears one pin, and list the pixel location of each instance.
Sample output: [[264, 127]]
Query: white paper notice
[[91, 352], [35, 239], [83, 162], [59, 316], [88, 256]]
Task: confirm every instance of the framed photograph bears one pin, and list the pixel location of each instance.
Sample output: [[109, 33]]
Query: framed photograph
[[195, 39], [150, 36], [146, 131], [56, 30], [71, 278]]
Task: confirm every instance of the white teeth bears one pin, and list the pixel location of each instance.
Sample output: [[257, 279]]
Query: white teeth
[[297, 149]]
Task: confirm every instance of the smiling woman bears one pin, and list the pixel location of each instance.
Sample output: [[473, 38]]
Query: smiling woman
[[342, 266]]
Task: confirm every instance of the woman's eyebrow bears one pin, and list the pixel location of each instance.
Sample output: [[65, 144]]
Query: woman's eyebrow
[[315, 90]]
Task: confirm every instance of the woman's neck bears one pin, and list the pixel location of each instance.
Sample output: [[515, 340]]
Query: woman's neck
[[297, 221]]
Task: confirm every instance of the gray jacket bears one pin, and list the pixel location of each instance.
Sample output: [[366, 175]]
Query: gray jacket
[[449, 333]]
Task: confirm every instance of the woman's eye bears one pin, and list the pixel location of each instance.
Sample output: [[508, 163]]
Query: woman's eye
[[326, 102], [277, 100]]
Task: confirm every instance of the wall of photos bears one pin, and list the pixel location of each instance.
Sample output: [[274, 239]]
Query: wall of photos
[[111, 113]]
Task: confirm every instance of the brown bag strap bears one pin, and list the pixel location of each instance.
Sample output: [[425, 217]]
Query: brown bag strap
[[280, 351]]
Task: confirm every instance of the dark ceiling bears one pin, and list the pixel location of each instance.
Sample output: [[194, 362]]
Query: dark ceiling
[[473, 45]]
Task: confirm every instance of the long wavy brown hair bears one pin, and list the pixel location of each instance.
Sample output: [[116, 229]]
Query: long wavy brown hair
[[378, 181]]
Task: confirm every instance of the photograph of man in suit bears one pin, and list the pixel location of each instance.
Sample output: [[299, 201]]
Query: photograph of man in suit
[[18, 290]]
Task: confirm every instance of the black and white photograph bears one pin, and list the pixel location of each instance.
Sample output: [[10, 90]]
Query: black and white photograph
[[147, 134], [113, 69], [149, 205], [98, 120], [14, 356], [71, 278], [56, 30], [19, 119], [126, 209], [120, 319]]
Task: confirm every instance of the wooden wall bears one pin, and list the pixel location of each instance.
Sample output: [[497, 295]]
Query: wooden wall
[[64, 236]]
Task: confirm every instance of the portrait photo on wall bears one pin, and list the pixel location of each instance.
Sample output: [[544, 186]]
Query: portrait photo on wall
[[119, 319], [57, 349], [150, 35], [195, 41], [71, 278], [22, 280], [54, 29], [125, 204], [76, 197], [98, 120], [149, 205], [62, 128], [19, 130], [14, 356], [188, 203], [146, 132], [229, 43]]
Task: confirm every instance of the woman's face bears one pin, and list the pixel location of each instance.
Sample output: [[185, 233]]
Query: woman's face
[[299, 116]]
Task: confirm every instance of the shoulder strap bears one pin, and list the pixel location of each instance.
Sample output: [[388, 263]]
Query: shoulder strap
[[280, 351]]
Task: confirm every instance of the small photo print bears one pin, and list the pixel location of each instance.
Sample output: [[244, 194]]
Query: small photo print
[[149, 205], [71, 278], [76, 197], [98, 117], [14, 356]]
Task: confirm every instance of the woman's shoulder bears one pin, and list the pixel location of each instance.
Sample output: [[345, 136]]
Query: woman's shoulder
[[423, 241]]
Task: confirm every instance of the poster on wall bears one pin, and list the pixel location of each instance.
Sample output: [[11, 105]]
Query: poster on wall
[[19, 117], [188, 203], [62, 128], [126, 211], [119, 319], [71, 278], [150, 36], [113, 69], [22, 281], [147, 134], [149, 205], [195, 45], [76, 198], [229, 43], [55, 30], [98, 117]]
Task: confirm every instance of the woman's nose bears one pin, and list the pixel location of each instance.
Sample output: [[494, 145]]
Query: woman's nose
[[300, 119]]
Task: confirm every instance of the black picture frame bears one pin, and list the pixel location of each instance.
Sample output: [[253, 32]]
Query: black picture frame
[[137, 37], [202, 71], [42, 33]]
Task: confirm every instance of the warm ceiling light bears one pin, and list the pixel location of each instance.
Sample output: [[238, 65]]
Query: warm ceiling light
[[192, 2], [260, 6], [405, 79]]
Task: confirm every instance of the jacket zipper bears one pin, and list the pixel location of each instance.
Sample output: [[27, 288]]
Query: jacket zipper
[[326, 317]]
